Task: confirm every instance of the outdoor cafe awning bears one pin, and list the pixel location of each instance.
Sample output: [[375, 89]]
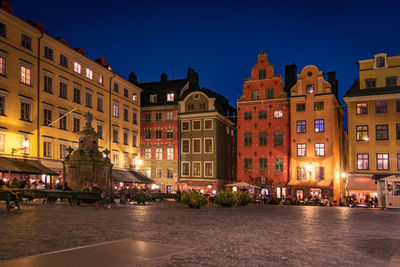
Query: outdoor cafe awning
[[195, 183], [130, 177], [25, 166]]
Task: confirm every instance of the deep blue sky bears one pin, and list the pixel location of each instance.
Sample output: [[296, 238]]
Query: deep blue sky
[[221, 39]]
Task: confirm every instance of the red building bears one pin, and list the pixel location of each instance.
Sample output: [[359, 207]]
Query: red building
[[263, 130], [159, 128]]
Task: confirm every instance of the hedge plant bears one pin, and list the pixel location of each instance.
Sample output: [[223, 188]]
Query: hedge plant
[[226, 198], [194, 199], [243, 198]]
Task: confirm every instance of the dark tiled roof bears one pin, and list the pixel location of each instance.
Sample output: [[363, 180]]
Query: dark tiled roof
[[356, 91], [161, 89]]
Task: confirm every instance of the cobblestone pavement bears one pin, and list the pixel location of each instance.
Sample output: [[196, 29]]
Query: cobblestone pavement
[[256, 235]]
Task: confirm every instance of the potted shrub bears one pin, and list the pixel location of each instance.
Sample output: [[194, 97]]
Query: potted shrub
[[243, 198], [226, 198], [194, 199]]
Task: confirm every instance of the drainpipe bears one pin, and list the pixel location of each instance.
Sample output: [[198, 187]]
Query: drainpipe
[[110, 115], [38, 99]]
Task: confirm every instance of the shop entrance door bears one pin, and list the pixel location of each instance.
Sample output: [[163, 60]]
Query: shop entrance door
[[299, 194]]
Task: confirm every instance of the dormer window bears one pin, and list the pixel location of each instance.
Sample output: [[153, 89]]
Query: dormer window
[[170, 97], [380, 62], [262, 74], [134, 97], [370, 83], [153, 98]]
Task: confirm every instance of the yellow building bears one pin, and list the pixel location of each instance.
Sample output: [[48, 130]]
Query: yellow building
[[317, 136], [46, 87], [373, 104]]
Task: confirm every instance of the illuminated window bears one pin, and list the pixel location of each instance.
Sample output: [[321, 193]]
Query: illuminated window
[[159, 153], [115, 159], [134, 97], [310, 88], [100, 79], [147, 154], [362, 161], [26, 41], [300, 126], [319, 126], [89, 73], [116, 110], [278, 113], [362, 133], [77, 67], [26, 75], [301, 173], [361, 108], [3, 69], [301, 150], [2, 142], [382, 161], [170, 153], [170, 97], [320, 149], [126, 160]]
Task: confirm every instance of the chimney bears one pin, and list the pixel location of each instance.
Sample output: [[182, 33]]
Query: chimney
[[5, 5], [334, 83], [37, 25], [290, 77], [101, 61], [80, 51], [133, 78], [62, 40], [193, 78], [164, 77]]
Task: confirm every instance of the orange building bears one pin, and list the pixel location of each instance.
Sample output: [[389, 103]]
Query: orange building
[[318, 138]]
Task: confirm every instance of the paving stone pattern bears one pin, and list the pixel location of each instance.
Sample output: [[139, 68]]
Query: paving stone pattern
[[256, 235]]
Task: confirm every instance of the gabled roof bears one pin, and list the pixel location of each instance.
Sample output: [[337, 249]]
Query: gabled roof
[[356, 91]]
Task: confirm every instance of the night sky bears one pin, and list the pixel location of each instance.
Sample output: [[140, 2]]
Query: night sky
[[221, 39]]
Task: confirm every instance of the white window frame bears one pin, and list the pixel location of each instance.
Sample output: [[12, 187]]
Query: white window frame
[[2, 142], [170, 97], [25, 73], [212, 146], [153, 99], [189, 143], [170, 116], [278, 113], [212, 168], [182, 122], [115, 111], [100, 79], [147, 153], [196, 139], [212, 124], [193, 168], [47, 153], [170, 153], [61, 153], [320, 147], [188, 163], [3, 65], [193, 123], [159, 153], [115, 159], [126, 159]]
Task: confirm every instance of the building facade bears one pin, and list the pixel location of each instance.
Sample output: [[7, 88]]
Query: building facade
[[318, 138], [47, 87], [207, 158], [160, 128], [373, 104], [263, 130]]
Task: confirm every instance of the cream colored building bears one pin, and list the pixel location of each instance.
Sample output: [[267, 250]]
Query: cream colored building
[[42, 79]]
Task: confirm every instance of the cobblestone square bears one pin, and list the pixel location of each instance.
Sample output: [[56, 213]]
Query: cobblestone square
[[256, 235]]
